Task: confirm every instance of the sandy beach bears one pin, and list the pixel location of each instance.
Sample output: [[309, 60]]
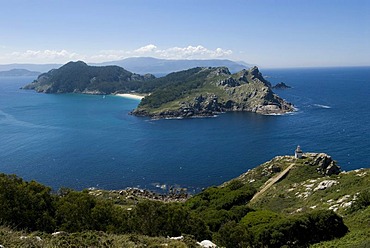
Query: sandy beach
[[132, 96]]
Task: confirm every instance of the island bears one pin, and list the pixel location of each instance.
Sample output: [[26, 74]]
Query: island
[[281, 86], [207, 91], [78, 77], [196, 92], [19, 73]]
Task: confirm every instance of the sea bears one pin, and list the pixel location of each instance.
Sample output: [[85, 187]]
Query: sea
[[82, 141]]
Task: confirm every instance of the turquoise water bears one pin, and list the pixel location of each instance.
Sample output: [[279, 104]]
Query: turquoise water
[[82, 141]]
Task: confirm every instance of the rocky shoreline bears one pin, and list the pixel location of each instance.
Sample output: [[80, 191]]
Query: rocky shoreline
[[209, 106], [136, 194]]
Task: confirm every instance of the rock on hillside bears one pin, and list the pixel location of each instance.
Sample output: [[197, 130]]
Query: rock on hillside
[[313, 182]]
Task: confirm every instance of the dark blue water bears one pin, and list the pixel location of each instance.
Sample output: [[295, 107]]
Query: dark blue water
[[82, 141]]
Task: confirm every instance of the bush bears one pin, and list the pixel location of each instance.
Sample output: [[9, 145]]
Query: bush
[[232, 234], [160, 219], [299, 231], [26, 205], [362, 201]]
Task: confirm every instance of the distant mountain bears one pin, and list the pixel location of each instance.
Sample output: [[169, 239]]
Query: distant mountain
[[144, 65], [30, 67], [161, 67], [19, 73]]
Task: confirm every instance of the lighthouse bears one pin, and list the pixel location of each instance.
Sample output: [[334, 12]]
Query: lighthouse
[[298, 152]]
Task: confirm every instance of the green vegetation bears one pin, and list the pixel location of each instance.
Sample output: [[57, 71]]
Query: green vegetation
[[284, 216], [82, 78], [10, 238], [173, 86]]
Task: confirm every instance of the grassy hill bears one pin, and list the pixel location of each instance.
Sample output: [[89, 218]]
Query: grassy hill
[[285, 202]]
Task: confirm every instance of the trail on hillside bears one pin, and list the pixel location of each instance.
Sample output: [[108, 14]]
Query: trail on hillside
[[271, 182]]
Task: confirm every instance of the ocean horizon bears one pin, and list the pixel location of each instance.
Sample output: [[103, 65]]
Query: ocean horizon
[[81, 141]]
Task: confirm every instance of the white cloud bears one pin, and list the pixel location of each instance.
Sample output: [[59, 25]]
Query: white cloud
[[193, 52], [189, 52], [146, 49], [63, 56], [43, 56]]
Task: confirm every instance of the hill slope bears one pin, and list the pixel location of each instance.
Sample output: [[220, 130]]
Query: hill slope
[[312, 185], [297, 210]]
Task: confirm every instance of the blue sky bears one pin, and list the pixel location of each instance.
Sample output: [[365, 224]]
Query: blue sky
[[284, 33]]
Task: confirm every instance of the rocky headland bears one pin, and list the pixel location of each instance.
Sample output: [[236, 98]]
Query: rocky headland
[[215, 92]]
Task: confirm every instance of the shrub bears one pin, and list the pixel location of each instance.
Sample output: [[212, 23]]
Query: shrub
[[26, 205]]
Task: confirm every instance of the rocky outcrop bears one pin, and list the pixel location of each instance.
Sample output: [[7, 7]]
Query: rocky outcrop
[[281, 86], [325, 164], [325, 184]]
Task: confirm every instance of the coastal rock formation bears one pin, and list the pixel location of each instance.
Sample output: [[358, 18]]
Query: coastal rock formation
[[281, 86], [215, 90]]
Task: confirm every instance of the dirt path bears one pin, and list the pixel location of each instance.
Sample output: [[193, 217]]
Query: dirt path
[[271, 182]]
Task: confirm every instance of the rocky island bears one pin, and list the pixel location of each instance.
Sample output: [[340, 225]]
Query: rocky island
[[213, 90], [200, 91], [281, 86]]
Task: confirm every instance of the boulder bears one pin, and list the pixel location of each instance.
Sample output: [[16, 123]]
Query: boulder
[[59, 233], [325, 184], [207, 244]]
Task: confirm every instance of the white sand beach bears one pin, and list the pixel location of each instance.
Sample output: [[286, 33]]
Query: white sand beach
[[132, 96]]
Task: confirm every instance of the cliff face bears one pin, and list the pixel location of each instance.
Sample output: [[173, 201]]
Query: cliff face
[[219, 91], [78, 77]]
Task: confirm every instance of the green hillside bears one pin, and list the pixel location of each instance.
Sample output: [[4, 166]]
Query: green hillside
[[285, 202]]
